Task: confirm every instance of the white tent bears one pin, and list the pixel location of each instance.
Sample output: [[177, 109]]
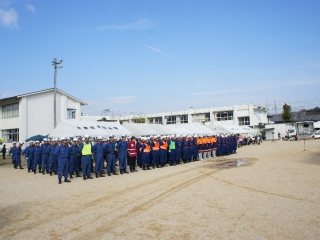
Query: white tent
[[142, 129], [91, 128], [218, 129], [244, 130]]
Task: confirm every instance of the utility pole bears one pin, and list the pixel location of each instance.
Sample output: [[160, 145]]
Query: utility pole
[[56, 64]]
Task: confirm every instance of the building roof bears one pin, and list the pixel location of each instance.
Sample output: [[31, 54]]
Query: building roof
[[44, 91], [302, 115]]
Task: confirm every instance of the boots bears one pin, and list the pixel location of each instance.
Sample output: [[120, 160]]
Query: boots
[[97, 176], [102, 175], [84, 177], [60, 181], [21, 167], [115, 173], [78, 175], [67, 180], [89, 177]]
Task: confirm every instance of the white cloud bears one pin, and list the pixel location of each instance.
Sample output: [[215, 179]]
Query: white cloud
[[30, 7], [159, 51], [9, 18], [153, 49], [140, 24], [122, 99]]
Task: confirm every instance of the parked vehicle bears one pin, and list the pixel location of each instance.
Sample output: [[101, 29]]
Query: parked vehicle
[[316, 134]]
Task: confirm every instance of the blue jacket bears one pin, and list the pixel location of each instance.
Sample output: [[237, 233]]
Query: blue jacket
[[37, 153], [63, 151], [122, 146], [110, 148], [75, 150], [45, 149], [98, 149]]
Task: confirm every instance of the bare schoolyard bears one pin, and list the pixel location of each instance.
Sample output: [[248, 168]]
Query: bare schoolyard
[[268, 191]]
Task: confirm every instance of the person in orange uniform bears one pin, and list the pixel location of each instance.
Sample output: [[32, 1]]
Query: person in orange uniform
[[145, 148], [163, 151], [155, 161]]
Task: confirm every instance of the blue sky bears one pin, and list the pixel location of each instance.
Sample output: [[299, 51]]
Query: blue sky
[[149, 56]]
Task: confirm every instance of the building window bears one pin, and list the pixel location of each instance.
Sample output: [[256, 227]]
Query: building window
[[201, 117], [224, 116], [207, 117], [10, 110], [184, 119], [139, 120], [156, 120], [10, 135], [171, 120], [71, 113], [244, 121]]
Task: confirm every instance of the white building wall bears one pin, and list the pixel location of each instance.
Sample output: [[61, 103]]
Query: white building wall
[[39, 115], [257, 115], [36, 114]]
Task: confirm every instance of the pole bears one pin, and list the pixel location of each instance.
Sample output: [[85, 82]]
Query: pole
[[56, 64]]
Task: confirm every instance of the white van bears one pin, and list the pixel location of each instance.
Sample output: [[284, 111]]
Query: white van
[[316, 134]]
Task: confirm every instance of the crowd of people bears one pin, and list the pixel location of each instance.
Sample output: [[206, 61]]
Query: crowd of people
[[82, 156]]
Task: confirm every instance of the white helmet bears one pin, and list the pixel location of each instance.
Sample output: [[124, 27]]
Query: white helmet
[[75, 139]]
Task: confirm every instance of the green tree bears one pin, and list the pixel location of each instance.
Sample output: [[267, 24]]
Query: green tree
[[286, 113]]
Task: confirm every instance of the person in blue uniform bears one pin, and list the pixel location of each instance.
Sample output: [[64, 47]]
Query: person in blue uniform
[[15, 151], [172, 150], [86, 158], [75, 159], [155, 152], [53, 156], [163, 151], [98, 152], [45, 147], [36, 157], [28, 152], [139, 153], [19, 153], [145, 149], [184, 147], [63, 155], [178, 150], [122, 150], [110, 151]]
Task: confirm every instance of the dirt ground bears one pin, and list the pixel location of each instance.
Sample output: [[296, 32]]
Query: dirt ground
[[271, 192]]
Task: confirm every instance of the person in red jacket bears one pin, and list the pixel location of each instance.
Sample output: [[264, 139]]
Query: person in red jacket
[[132, 154]]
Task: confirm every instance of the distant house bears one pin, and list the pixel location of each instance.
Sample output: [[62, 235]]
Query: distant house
[[29, 114], [300, 116]]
